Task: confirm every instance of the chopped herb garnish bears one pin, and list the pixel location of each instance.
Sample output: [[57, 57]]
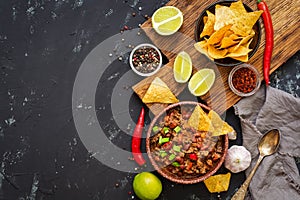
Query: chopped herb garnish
[[159, 140], [176, 148], [163, 154], [166, 130], [155, 129], [176, 164], [162, 140], [172, 156], [177, 129]]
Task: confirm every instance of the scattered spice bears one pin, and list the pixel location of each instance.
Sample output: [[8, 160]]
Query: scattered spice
[[125, 28], [146, 59], [244, 80]]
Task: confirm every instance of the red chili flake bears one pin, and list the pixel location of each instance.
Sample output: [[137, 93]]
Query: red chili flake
[[244, 80], [193, 156], [167, 146], [189, 166]]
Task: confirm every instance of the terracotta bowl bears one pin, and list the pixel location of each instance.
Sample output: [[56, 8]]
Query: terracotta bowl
[[228, 61], [171, 176]]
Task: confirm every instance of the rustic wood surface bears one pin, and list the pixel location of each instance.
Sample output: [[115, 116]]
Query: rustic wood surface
[[285, 16]]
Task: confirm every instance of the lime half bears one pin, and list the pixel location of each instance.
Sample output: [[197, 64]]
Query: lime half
[[167, 20]]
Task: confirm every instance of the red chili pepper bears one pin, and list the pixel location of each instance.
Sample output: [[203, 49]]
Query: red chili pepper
[[261, 5], [136, 140], [193, 156]]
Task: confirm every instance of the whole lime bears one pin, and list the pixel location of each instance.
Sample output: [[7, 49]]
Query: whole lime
[[147, 186]]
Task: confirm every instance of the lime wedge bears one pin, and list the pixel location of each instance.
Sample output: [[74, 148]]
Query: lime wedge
[[182, 67], [202, 81]]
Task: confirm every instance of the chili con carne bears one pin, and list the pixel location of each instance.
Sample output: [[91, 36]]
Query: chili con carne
[[136, 139], [261, 5]]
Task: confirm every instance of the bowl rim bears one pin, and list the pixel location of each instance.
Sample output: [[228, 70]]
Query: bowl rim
[[234, 90], [145, 45], [174, 179], [197, 26]]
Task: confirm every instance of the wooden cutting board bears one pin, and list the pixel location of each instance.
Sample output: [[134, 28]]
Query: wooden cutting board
[[286, 19]]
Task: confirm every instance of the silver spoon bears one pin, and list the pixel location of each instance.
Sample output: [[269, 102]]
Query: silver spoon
[[267, 145]]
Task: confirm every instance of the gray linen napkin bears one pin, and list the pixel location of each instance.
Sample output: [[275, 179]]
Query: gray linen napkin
[[277, 177]]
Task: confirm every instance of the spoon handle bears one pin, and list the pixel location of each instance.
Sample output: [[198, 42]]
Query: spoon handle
[[241, 193]]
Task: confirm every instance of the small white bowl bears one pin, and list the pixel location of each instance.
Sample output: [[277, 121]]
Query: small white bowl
[[236, 91], [133, 67]]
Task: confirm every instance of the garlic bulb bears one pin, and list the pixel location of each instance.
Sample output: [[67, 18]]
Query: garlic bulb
[[238, 159]]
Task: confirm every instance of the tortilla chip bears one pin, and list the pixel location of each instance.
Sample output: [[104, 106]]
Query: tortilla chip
[[228, 33], [244, 40], [238, 8], [248, 43], [224, 16], [205, 18], [227, 42], [241, 58], [218, 183], [202, 47], [235, 37], [220, 126], [159, 92], [243, 24], [216, 53], [240, 51], [217, 36], [208, 28], [199, 120]]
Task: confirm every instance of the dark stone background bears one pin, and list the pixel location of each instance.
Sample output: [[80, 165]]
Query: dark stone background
[[42, 45]]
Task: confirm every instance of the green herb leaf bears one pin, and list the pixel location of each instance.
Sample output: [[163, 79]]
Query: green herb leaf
[[155, 129], [172, 156], [163, 154], [159, 140], [176, 164], [177, 129], [164, 140], [176, 148]]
